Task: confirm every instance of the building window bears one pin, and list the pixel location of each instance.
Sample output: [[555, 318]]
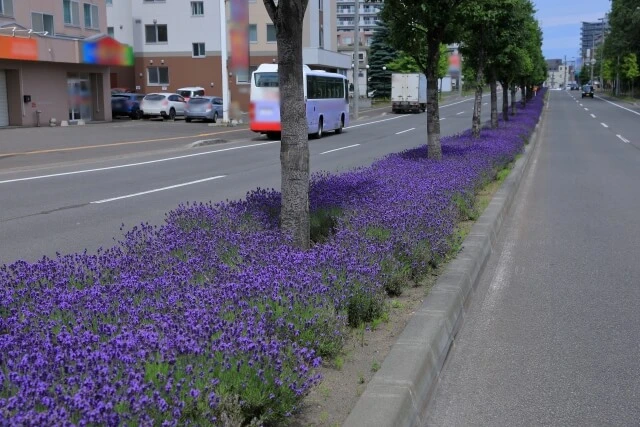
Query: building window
[[91, 16], [253, 33], [158, 75], [156, 33], [197, 8], [6, 7], [109, 2], [42, 22], [198, 50], [271, 33], [71, 11], [110, 32], [321, 35], [320, 4], [245, 78]]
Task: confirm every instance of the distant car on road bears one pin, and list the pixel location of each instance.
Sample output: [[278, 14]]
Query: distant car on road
[[203, 108], [126, 104], [587, 90], [163, 104]]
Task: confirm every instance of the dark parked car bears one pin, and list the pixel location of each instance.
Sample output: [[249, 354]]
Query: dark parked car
[[204, 108], [126, 104], [587, 90]]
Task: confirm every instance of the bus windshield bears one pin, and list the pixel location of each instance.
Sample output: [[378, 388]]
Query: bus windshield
[[266, 79]]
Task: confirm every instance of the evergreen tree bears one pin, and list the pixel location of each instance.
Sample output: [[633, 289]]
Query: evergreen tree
[[380, 55]]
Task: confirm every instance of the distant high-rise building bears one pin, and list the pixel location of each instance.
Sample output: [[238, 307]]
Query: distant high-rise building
[[591, 36], [345, 25]]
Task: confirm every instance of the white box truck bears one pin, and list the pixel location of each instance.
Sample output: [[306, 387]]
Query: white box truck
[[408, 92]]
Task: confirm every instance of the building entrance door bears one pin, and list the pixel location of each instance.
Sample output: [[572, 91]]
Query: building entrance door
[[79, 93]]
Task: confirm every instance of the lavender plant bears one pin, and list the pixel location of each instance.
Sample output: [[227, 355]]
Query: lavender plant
[[216, 306]]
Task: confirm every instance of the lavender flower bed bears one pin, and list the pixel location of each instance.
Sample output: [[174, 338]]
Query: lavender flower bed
[[214, 315]]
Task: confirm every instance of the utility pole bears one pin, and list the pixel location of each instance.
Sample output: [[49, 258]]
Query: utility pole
[[226, 95], [356, 60], [602, 55], [565, 72]]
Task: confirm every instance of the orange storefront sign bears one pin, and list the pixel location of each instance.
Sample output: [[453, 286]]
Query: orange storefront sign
[[18, 48]]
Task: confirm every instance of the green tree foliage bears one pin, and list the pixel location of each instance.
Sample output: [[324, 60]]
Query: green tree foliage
[[629, 68], [404, 64], [624, 20], [416, 27], [381, 53]]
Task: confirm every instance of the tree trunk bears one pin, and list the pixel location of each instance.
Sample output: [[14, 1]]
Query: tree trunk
[[505, 101], [477, 104], [494, 103], [513, 99], [288, 17], [434, 149], [523, 94]]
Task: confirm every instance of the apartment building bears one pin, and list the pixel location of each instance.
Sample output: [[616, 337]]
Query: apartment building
[[177, 44], [345, 33], [55, 59], [592, 35]]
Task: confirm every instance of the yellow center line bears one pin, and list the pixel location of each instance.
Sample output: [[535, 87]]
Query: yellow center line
[[115, 144]]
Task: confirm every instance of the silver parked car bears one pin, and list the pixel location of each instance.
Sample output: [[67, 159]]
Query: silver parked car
[[165, 105], [204, 108]]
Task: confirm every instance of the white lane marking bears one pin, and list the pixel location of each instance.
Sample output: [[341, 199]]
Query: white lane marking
[[443, 118], [142, 193], [593, 115], [461, 112], [186, 156], [403, 131], [342, 148], [377, 121], [586, 109], [581, 105], [128, 165], [485, 103], [619, 106], [605, 125], [623, 139]]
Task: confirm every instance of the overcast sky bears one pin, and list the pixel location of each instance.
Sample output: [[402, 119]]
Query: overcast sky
[[561, 20]]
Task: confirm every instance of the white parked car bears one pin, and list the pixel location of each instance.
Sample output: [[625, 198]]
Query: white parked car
[[164, 104]]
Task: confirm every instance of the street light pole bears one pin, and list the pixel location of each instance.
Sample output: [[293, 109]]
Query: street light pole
[[356, 60], [384, 68], [602, 55]]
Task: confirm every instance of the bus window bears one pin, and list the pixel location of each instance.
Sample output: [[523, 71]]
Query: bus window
[[266, 79]]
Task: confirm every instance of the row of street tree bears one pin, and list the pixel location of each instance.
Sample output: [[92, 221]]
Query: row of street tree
[[500, 40], [621, 50]]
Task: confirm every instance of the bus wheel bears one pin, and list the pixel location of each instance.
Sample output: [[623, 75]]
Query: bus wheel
[[273, 135], [318, 133], [339, 130]]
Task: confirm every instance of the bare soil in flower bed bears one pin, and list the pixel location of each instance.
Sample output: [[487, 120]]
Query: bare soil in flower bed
[[347, 376]]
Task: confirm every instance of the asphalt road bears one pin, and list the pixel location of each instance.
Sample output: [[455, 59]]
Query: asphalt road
[[80, 203], [552, 336]]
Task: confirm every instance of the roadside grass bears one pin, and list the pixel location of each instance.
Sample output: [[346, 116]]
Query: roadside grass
[[214, 315]]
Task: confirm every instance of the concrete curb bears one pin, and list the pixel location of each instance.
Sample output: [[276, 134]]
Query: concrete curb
[[399, 393]]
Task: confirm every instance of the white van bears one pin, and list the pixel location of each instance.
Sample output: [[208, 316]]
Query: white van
[[190, 92]]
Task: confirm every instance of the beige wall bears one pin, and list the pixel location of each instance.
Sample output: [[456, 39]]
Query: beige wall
[[47, 85], [258, 15], [22, 13]]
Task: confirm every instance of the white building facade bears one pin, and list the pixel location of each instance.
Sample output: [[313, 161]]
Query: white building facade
[[177, 44]]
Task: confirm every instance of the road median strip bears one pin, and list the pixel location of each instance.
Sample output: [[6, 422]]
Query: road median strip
[[399, 393]]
